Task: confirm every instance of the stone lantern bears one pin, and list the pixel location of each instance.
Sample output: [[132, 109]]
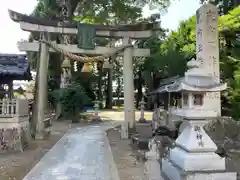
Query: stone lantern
[[96, 108], [193, 156], [142, 106], [66, 72]]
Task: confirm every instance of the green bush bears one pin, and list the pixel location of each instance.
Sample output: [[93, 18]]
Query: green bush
[[72, 99]]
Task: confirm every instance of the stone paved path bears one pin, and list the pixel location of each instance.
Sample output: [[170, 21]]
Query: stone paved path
[[82, 154]]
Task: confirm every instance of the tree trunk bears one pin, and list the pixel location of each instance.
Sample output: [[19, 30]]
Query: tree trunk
[[109, 94]]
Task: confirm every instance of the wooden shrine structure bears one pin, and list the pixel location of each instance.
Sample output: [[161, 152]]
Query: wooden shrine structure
[[13, 67], [85, 34], [14, 113]]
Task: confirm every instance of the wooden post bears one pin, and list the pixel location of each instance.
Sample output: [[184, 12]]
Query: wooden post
[[10, 89], [129, 109], [42, 88]]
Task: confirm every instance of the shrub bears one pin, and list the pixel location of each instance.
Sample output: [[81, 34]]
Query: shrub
[[72, 99]]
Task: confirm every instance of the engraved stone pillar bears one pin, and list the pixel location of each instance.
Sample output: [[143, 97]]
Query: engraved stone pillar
[[207, 49], [42, 89], [129, 109]]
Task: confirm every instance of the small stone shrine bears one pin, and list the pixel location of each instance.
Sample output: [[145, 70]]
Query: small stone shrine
[[193, 156]]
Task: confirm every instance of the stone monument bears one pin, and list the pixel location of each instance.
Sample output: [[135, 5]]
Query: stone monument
[[194, 157], [207, 49]]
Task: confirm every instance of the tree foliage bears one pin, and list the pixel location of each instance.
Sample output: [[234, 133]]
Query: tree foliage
[[115, 11], [224, 6]]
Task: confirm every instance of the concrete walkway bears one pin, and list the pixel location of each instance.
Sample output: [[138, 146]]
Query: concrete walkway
[[81, 154]]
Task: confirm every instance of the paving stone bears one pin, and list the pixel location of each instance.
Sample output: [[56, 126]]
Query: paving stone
[[82, 153]]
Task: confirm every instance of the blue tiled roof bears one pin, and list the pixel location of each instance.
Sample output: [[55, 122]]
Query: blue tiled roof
[[15, 65]]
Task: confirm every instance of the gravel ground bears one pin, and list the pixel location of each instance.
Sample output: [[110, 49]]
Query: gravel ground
[[130, 163]]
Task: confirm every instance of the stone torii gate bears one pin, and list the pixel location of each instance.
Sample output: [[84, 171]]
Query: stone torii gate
[[47, 27]]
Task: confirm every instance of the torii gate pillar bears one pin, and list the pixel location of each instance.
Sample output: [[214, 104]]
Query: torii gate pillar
[[129, 109], [42, 88]]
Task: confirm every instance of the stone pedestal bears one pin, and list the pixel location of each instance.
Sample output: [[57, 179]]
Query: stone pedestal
[[14, 125], [173, 172], [47, 128], [144, 129], [14, 136], [142, 120], [194, 157], [96, 119]]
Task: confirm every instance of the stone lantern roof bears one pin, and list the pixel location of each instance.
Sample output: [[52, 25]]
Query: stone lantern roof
[[196, 79]]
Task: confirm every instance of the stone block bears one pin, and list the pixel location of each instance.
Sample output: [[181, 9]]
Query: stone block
[[196, 161], [140, 142], [172, 172], [144, 129]]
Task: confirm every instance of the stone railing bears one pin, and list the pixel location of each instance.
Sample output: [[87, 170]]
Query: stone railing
[[14, 108]]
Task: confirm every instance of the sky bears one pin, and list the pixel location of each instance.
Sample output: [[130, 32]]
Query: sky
[[10, 32]]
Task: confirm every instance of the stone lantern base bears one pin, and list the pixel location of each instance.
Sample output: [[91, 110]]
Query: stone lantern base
[[96, 119], [14, 134], [173, 172], [194, 157], [142, 120]]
